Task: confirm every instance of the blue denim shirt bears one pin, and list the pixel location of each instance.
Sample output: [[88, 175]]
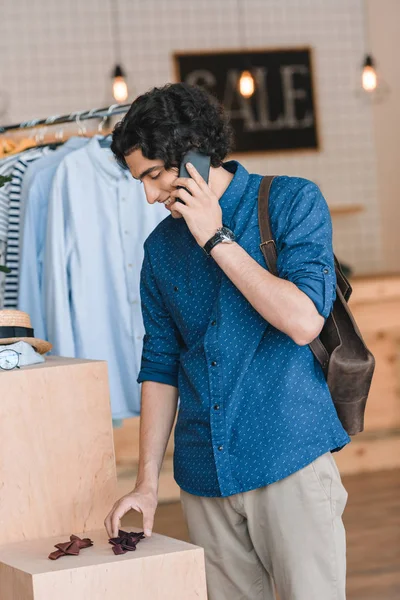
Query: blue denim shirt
[[254, 406]]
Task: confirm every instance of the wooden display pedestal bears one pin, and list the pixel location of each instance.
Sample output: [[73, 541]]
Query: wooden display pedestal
[[57, 465], [161, 568], [57, 478]]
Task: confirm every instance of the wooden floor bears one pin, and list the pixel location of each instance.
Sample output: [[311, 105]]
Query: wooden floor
[[372, 521]]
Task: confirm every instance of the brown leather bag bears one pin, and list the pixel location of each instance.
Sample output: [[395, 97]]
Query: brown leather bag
[[346, 362]]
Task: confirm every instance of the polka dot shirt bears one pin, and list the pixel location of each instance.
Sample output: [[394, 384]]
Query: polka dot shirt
[[254, 406]]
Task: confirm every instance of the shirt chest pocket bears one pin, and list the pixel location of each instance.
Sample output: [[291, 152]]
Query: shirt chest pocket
[[190, 295]]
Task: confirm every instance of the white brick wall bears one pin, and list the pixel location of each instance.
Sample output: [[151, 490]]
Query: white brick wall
[[57, 56]]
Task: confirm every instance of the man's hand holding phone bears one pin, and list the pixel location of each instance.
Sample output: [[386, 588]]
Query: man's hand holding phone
[[201, 209]]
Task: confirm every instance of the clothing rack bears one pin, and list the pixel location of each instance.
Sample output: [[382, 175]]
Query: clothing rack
[[94, 113]]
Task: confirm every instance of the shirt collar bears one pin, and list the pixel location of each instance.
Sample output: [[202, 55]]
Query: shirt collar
[[233, 194], [74, 143], [104, 159]]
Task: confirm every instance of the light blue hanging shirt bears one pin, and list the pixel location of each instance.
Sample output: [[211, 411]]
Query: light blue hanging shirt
[[98, 220], [35, 193]]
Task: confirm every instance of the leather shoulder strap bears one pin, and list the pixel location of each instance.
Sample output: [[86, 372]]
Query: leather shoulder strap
[[267, 245]]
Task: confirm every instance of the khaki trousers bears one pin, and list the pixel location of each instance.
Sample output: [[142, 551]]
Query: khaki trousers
[[289, 533]]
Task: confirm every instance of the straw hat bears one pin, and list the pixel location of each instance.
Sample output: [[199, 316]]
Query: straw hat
[[15, 326]]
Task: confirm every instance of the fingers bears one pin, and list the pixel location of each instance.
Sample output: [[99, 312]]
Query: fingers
[[112, 522], [182, 194], [107, 524], [180, 208], [193, 183], [148, 523], [108, 521], [144, 504], [188, 184], [116, 521], [196, 176]]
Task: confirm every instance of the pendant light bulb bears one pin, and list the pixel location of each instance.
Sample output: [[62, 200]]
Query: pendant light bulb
[[246, 84], [369, 77], [120, 87]]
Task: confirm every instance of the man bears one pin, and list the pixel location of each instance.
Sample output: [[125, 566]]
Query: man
[[256, 424]]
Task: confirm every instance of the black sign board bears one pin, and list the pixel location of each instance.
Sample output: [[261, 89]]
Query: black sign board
[[281, 114]]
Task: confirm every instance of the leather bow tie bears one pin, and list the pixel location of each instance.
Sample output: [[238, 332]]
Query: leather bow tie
[[73, 547], [126, 541]]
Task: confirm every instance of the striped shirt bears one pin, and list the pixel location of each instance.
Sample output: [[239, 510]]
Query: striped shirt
[[13, 191], [6, 168]]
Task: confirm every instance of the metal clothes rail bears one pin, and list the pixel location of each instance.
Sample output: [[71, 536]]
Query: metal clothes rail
[[94, 113]]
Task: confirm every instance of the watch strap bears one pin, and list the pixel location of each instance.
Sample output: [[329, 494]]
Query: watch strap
[[216, 239]]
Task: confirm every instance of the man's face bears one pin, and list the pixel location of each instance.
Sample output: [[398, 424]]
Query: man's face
[[158, 183]]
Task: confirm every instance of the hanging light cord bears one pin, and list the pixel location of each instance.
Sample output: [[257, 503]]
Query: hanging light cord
[[115, 31], [241, 24], [367, 39]]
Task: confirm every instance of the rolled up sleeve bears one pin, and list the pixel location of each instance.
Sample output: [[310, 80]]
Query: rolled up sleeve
[[304, 245], [161, 350]]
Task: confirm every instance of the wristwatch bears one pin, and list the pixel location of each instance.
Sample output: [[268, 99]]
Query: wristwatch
[[224, 235]]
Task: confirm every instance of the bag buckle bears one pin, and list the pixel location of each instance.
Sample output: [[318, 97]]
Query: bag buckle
[[267, 242]]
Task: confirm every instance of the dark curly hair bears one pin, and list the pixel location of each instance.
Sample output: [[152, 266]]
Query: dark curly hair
[[166, 122]]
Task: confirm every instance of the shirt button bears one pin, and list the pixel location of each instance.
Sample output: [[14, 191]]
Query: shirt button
[[213, 364], [175, 288], [220, 448], [213, 322], [126, 232], [326, 271], [130, 265], [216, 406]]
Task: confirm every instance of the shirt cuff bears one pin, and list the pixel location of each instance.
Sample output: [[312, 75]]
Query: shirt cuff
[[160, 373], [321, 290]]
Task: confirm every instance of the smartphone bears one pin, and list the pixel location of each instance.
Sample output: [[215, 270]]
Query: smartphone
[[201, 163]]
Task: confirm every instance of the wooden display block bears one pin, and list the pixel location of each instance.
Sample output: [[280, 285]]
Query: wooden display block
[[160, 568], [368, 453], [57, 467]]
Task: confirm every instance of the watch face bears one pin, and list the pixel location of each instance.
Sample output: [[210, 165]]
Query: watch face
[[9, 359], [227, 235]]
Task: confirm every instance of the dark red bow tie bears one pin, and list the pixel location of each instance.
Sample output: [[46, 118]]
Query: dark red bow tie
[[125, 541], [73, 547]]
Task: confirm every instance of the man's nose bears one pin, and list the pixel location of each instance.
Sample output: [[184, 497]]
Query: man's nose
[[152, 192]]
